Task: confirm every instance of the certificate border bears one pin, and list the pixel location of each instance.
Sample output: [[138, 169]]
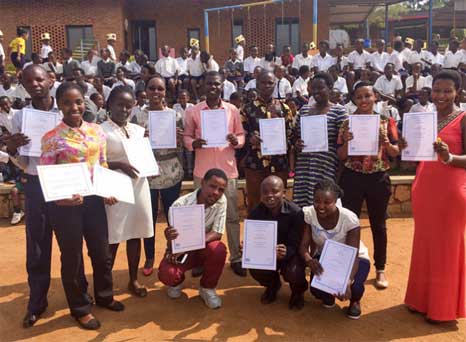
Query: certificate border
[[434, 133], [369, 152], [225, 144], [274, 153], [250, 265], [173, 124], [103, 170], [326, 131], [172, 223], [145, 141]]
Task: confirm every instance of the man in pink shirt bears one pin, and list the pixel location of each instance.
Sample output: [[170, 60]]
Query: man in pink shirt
[[218, 157]]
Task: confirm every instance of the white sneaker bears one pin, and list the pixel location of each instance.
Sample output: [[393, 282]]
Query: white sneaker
[[210, 297], [17, 217], [174, 292]]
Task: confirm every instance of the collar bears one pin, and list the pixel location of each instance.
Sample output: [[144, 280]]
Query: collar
[[54, 106], [63, 126], [204, 105], [284, 209]]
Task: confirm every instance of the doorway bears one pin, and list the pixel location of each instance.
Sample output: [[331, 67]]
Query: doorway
[[144, 37]]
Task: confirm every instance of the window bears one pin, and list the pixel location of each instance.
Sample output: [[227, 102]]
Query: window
[[287, 33], [74, 34], [144, 37], [236, 30], [194, 33], [29, 41]]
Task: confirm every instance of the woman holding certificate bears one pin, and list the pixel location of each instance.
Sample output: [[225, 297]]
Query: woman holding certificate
[[127, 222], [436, 285], [76, 141], [365, 177], [317, 157], [167, 185]]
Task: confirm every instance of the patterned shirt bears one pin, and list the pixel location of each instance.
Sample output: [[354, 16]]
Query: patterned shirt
[[84, 144], [255, 111]]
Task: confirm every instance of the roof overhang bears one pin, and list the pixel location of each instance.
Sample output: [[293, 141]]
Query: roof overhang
[[343, 13]]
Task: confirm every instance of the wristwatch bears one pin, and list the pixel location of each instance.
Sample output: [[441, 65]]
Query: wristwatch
[[449, 160]]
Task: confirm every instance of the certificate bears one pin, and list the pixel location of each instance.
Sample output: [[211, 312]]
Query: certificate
[[420, 132], [260, 245], [214, 127], [108, 183], [162, 129], [62, 181], [140, 156], [365, 129], [273, 136], [314, 133], [35, 123], [190, 224], [337, 260]]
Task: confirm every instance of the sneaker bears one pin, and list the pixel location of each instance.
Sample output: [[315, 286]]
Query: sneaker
[[328, 304], [381, 281], [270, 294], [354, 310], [210, 297], [17, 217], [175, 292]]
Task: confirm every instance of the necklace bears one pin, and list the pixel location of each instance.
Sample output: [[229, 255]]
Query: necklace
[[449, 118]]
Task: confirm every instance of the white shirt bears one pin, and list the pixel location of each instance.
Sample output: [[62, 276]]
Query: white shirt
[[195, 67], [177, 108], [270, 66], [10, 92], [128, 82], [417, 57], [2, 52], [428, 81], [135, 68], [228, 89], [299, 61], [421, 82], [53, 90], [127, 65], [27, 64], [282, 88], [388, 87], [21, 92], [405, 53], [250, 64], [112, 52], [167, 67], [341, 85], [89, 68], [419, 108], [211, 65], [251, 84], [6, 119], [182, 65], [106, 90], [452, 60], [137, 112], [44, 51], [300, 85], [240, 52], [379, 60], [435, 59], [359, 60], [397, 59], [322, 63]]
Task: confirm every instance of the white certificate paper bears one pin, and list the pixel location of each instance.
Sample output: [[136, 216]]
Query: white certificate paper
[[420, 132], [140, 155], [365, 129], [214, 127], [273, 135], [260, 245], [337, 260], [62, 181], [190, 224], [109, 183], [162, 129], [314, 133], [35, 123]]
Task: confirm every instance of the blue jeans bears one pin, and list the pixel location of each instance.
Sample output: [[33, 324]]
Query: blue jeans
[[168, 195]]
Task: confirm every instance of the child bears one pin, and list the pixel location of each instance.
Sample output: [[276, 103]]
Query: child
[[111, 38], [234, 69], [99, 101], [17, 50], [180, 107], [300, 91], [46, 48], [293, 105], [424, 105], [138, 110], [283, 88]]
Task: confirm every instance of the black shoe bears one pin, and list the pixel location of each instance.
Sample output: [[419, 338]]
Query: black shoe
[[270, 293], [113, 306], [296, 301], [197, 272], [89, 298], [93, 324], [328, 304], [354, 310], [31, 318], [236, 267]]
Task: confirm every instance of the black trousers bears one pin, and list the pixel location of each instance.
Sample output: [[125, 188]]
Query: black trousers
[[71, 225], [375, 188], [292, 271]]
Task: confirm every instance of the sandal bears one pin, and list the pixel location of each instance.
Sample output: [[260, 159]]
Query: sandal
[[148, 267], [140, 291], [381, 283], [92, 324]]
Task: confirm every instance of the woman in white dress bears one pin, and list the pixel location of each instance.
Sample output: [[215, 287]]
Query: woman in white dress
[[127, 222]]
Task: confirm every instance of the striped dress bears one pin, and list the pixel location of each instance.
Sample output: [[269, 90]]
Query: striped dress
[[313, 167]]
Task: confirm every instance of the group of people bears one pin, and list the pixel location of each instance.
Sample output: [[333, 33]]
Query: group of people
[[328, 191]]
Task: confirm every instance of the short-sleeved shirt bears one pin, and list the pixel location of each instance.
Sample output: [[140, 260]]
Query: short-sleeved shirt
[[421, 82], [290, 224], [388, 87], [234, 66], [251, 63], [347, 221], [2, 51], [359, 60], [323, 63], [215, 216], [379, 60], [84, 144], [167, 67], [18, 45]]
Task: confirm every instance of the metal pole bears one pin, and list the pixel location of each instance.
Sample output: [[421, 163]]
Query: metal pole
[[387, 28], [82, 51], [206, 30], [431, 3], [314, 22]]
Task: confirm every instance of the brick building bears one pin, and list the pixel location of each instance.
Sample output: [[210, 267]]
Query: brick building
[[149, 24]]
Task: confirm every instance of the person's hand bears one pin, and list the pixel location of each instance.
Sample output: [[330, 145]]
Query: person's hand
[[110, 200], [442, 150], [131, 171], [232, 139], [299, 145], [347, 135], [255, 140], [171, 257], [198, 143], [281, 252], [70, 202], [346, 295], [402, 143], [14, 141], [315, 266], [170, 233]]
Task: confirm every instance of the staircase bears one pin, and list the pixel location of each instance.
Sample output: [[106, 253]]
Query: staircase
[[80, 51]]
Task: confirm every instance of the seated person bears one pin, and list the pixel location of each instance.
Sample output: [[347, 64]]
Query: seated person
[[327, 220], [275, 207], [212, 257]]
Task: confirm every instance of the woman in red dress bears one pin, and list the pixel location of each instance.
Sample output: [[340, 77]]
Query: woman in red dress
[[436, 285]]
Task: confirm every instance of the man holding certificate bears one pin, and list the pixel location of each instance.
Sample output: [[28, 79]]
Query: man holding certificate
[[290, 222], [211, 258], [218, 122]]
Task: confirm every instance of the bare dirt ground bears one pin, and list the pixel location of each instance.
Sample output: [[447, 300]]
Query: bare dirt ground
[[242, 317]]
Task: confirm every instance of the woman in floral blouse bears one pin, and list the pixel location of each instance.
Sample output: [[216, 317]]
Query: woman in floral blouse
[[366, 177]]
